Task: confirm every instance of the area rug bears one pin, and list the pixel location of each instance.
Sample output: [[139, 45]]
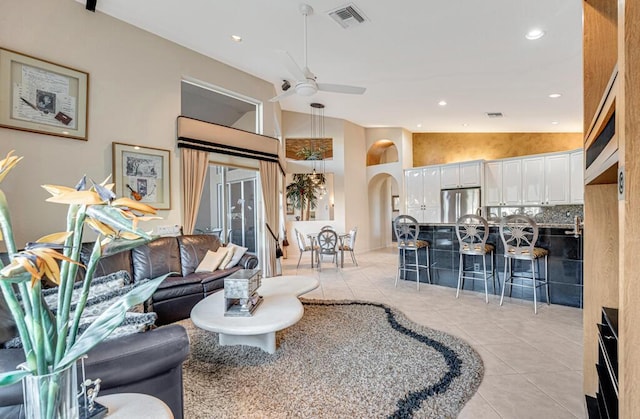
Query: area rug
[[344, 359]]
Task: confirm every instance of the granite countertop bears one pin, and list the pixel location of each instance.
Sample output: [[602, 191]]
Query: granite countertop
[[568, 226]]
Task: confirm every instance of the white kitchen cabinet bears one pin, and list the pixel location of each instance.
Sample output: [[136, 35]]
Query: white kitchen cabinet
[[557, 179], [423, 194], [577, 177], [546, 180], [533, 186], [461, 175], [503, 183]]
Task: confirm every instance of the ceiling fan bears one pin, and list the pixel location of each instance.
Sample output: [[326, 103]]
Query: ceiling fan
[[305, 81]]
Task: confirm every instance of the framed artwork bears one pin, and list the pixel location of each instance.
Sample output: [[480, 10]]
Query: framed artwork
[[289, 207], [43, 97], [143, 174], [395, 203]]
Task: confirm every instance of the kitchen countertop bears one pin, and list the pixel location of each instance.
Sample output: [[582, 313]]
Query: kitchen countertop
[[568, 226]]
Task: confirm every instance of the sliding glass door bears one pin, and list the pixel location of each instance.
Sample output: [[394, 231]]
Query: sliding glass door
[[228, 206]]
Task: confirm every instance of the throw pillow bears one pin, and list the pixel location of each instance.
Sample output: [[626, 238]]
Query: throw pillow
[[212, 260], [99, 285], [238, 252], [132, 323], [227, 258]]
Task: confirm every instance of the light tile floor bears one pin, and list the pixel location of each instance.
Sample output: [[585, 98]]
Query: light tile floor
[[533, 363]]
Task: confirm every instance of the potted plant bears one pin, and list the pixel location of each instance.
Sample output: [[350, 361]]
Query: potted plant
[[49, 335]]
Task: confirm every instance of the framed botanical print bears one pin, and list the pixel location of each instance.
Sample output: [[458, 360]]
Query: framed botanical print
[[143, 174]]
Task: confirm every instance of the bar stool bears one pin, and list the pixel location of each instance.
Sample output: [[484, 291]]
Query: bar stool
[[407, 229], [519, 234], [473, 231]]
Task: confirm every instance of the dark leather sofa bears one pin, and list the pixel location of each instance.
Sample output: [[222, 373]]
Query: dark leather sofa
[[149, 362], [176, 296]]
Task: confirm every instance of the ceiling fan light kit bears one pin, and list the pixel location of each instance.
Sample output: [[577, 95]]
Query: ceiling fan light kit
[[305, 81]]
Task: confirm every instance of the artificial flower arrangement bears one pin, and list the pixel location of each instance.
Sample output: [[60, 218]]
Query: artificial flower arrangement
[[49, 337]]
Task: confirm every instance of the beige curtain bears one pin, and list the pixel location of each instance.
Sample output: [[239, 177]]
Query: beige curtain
[[270, 181], [194, 171]]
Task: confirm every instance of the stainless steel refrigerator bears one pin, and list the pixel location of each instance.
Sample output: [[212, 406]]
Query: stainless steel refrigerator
[[457, 202]]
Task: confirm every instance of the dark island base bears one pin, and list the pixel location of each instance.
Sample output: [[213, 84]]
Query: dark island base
[[564, 262]]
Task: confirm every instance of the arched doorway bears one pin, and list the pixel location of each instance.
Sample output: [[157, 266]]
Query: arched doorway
[[382, 188]]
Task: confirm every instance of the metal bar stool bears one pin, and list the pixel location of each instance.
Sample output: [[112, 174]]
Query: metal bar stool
[[473, 231], [407, 229], [519, 234]]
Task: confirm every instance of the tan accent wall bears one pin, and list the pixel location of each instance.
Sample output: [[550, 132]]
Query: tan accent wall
[[441, 148]]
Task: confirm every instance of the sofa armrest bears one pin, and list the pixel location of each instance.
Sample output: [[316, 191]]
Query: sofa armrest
[[248, 261], [138, 356], [119, 362]]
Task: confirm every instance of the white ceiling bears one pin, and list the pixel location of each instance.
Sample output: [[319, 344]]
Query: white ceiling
[[409, 55]]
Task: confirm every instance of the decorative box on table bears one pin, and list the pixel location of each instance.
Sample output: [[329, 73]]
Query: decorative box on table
[[240, 296]]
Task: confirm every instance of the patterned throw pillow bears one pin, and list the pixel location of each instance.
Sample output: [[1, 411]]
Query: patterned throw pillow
[[104, 291], [100, 285]]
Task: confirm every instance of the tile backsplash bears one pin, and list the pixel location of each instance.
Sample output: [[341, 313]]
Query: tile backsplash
[[557, 214]]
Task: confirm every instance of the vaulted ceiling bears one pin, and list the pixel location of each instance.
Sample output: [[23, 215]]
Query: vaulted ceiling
[[410, 55]]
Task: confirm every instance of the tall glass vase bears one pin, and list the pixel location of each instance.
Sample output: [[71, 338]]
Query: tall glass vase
[[51, 396]]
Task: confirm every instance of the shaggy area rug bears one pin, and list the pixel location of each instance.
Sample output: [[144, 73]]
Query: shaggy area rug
[[344, 359]]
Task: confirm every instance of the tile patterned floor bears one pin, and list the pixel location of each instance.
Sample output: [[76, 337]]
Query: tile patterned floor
[[533, 363]]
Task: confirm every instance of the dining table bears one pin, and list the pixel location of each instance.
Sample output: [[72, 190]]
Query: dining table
[[313, 239]]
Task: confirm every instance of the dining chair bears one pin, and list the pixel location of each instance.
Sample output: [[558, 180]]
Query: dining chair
[[407, 229], [519, 234], [472, 231], [303, 247], [327, 227], [348, 244], [327, 245]]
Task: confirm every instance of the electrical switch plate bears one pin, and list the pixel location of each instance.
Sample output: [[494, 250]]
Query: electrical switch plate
[[476, 267]]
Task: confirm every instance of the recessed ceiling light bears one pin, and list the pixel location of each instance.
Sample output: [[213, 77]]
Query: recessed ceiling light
[[442, 103], [236, 38], [465, 125], [555, 95], [419, 125], [554, 122], [534, 34]]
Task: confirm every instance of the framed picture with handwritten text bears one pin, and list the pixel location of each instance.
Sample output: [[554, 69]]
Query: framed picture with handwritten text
[[143, 174], [41, 96]]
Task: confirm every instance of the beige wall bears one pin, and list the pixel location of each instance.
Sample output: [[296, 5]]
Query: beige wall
[[439, 148], [134, 98]]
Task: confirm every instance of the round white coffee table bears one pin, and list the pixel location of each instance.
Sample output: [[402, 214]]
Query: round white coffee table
[[135, 405], [288, 284], [280, 308]]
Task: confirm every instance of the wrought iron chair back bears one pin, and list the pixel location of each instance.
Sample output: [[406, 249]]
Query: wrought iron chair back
[[519, 234], [472, 231], [407, 230]]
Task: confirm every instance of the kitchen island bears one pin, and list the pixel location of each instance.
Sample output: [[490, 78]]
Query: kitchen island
[[565, 261]]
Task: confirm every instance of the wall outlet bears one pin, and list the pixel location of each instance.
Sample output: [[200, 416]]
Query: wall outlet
[[168, 230], [476, 267]]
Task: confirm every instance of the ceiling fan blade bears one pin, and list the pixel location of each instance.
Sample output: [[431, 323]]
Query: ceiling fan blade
[[341, 88], [283, 95], [292, 67]]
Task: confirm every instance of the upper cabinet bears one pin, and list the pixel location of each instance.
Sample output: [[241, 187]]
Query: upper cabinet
[[546, 180], [423, 194], [461, 175], [503, 182]]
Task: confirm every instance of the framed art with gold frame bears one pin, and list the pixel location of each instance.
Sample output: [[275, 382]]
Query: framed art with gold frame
[[43, 97], [143, 174]]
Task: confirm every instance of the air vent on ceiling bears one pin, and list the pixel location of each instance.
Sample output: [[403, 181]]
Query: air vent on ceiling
[[494, 114], [348, 16]]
